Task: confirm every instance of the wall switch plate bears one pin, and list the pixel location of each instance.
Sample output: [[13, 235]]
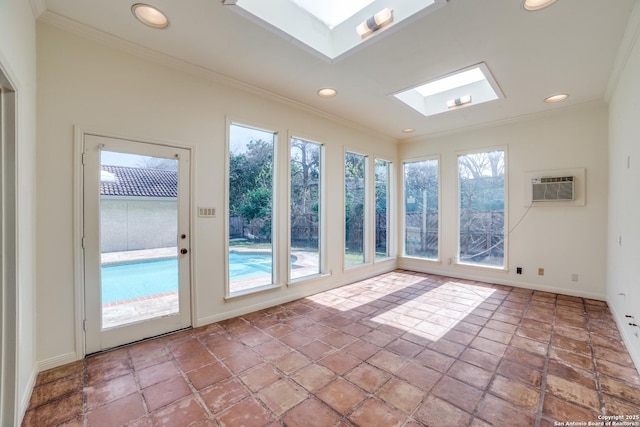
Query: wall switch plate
[[206, 212]]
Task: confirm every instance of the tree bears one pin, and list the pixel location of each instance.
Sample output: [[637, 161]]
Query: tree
[[354, 200], [305, 192], [305, 172], [421, 219], [481, 178], [251, 184], [158, 163]]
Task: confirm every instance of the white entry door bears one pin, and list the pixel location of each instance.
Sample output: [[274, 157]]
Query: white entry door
[[136, 240]]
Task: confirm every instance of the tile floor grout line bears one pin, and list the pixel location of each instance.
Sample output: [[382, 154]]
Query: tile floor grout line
[[486, 391], [596, 368], [545, 368], [136, 377]]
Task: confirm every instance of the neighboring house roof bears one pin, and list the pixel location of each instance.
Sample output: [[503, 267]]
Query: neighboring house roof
[[138, 182]]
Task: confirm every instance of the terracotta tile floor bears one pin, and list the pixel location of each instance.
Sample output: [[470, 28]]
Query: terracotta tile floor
[[400, 349]]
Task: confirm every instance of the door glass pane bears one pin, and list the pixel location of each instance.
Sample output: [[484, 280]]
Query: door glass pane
[[382, 207], [421, 209], [138, 235], [481, 206], [355, 194], [305, 208], [250, 208]]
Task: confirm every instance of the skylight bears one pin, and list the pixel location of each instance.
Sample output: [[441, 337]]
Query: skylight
[[333, 12], [470, 86], [328, 27], [457, 80]]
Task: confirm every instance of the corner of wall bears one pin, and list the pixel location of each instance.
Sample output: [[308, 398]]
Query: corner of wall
[[629, 40]]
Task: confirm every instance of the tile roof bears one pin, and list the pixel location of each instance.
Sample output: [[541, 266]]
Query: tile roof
[[138, 182]]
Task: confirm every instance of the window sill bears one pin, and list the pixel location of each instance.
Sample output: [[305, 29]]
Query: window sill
[[308, 279], [484, 267], [385, 259], [251, 292], [415, 258]]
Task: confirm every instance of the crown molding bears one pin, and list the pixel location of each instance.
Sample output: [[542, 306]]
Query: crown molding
[[538, 115], [628, 43], [38, 7]]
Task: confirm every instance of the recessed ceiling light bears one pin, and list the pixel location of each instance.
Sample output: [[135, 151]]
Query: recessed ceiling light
[[150, 15], [408, 130], [532, 5], [556, 98], [327, 92]]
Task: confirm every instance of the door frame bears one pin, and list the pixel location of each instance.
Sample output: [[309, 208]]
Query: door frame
[[78, 228], [10, 405]]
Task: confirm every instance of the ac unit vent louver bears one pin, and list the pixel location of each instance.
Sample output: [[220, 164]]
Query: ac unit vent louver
[[552, 189]]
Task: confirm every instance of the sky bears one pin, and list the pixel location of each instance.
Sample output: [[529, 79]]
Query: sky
[[239, 136]]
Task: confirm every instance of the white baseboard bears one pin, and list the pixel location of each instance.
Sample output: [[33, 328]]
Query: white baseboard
[[297, 291], [26, 397], [56, 361], [476, 274], [626, 337]]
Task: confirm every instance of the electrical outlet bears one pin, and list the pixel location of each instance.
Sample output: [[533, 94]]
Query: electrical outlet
[[540, 271], [518, 270], [574, 277]]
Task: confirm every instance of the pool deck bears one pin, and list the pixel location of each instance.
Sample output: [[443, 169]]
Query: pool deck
[[138, 255]]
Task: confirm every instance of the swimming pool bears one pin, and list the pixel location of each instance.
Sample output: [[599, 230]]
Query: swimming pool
[[125, 281], [245, 265]]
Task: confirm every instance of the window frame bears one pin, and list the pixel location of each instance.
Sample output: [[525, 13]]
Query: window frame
[[367, 215], [322, 237], [403, 223], [275, 227], [505, 260], [391, 199]]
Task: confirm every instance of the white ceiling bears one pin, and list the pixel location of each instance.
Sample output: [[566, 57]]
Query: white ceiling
[[569, 47]]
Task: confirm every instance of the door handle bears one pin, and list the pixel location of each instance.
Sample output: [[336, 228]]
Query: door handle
[[183, 251]]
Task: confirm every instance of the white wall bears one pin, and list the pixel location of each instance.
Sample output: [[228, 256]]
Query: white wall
[[18, 62], [96, 87], [623, 279], [564, 240]]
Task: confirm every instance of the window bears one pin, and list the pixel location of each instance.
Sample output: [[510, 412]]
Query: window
[[306, 158], [355, 169], [250, 208], [421, 198], [481, 208], [382, 175]]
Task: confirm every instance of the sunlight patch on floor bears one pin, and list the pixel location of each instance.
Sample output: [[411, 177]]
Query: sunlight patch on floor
[[437, 311]]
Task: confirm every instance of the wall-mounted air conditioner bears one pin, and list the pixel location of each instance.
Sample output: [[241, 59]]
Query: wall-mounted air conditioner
[[552, 189]]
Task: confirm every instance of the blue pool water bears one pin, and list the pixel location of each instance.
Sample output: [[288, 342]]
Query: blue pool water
[[134, 280], [246, 265], [125, 281]]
